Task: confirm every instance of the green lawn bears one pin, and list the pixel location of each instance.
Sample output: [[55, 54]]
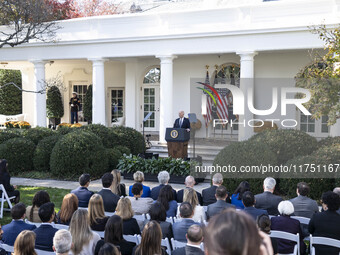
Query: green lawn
[[27, 194]]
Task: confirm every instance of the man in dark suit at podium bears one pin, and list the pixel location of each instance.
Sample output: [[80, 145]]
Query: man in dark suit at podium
[[182, 122]]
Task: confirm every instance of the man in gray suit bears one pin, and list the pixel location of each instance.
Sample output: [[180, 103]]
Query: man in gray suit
[[220, 204], [194, 238], [180, 228], [303, 205], [267, 200], [337, 191]]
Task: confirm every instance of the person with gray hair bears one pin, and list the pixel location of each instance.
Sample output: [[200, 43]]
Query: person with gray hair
[[189, 183], [62, 242], [139, 177], [208, 195], [285, 223], [267, 200], [194, 238], [163, 179]]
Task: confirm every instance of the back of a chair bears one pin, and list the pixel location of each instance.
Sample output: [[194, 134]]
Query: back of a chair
[[7, 247], [170, 220], [288, 236], [303, 220], [33, 223], [100, 233], [61, 226], [41, 252], [131, 238], [140, 217], [176, 244], [323, 241], [165, 242], [109, 214]]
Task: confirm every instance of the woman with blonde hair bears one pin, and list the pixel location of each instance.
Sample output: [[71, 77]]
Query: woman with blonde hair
[[190, 196], [151, 240], [83, 239], [138, 177], [24, 244], [68, 207], [97, 216], [117, 187], [124, 210]]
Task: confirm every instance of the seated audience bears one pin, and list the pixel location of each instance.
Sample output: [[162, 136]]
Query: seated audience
[[220, 204], [166, 198], [140, 204], [96, 211], [151, 240], [62, 242], [163, 179], [24, 244], [337, 191], [248, 200], [5, 179], [138, 177], [326, 223], [110, 199], [83, 238], [180, 228], [117, 187], [264, 224], [109, 249], [194, 238], [124, 210], [189, 183], [68, 207], [286, 224], [267, 200], [190, 196], [208, 195], [157, 213], [236, 198], [82, 193], [45, 232], [303, 205], [12, 230], [40, 198], [114, 235], [234, 232]]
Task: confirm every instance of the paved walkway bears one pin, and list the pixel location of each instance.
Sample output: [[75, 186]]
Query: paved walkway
[[94, 186]]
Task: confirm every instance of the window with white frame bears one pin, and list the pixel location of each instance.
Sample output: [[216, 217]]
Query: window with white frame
[[117, 104]]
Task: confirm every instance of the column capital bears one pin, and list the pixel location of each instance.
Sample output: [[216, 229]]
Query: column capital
[[98, 60], [247, 55], [38, 62], [166, 59]]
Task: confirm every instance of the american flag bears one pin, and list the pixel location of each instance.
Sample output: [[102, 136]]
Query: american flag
[[208, 116], [222, 109]]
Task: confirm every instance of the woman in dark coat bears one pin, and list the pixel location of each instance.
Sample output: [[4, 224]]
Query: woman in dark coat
[[5, 179]]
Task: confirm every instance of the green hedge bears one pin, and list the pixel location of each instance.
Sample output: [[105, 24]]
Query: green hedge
[[19, 154], [287, 143], [37, 134], [102, 132], [77, 153], [256, 185], [42, 153], [329, 141], [4, 136], [128, 137]]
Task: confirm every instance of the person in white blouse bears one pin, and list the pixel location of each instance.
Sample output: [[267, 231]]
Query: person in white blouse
[[139, 204], [190, 196]]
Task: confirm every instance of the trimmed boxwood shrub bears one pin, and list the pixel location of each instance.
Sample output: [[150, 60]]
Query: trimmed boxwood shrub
[[42, 153], [128, 137], [329, 141], [19, 154], [115, 154], [256, 185], [37, 134], [123, 149], [287, 143], [79, 152], [63, 130], [102, 132], [4, 136]]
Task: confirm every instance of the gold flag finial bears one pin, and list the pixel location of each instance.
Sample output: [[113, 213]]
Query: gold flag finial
[[216, 66], [207, 67]]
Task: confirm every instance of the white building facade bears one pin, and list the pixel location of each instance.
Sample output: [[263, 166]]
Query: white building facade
[[151, 61]]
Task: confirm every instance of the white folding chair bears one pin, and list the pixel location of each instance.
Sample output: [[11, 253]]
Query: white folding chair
[[33, 223], [109, 214], [100, 233], [177, 219], [205, 208], [61, 226], [140, 217], [323, 241], [165, 242], [7, 247], [303, 220], [41, 252], [5, 198], [170, 220], [176, 244], [290, 237], [131, 238]]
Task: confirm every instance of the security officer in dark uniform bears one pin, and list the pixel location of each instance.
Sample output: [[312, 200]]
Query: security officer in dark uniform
[[75, 104]]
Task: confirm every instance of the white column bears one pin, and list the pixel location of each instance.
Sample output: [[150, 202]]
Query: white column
[[40, 97], [131, 94], [335, 129], [166, 95], [246, 81], [98, 88]]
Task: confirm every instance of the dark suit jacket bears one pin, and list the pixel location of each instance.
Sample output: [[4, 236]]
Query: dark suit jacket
[[13, 229], [83, 195], [44, 237], [325, 224], [180, 196], [268, 201], [185, 124], [155, 192], [124, 246], [180, 229], [304, 206], [5, 180], [208, 195], [254, 212], [188, 250], [166, 229], [217, 207], [287, 224], [110, 200], [131, 227]]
